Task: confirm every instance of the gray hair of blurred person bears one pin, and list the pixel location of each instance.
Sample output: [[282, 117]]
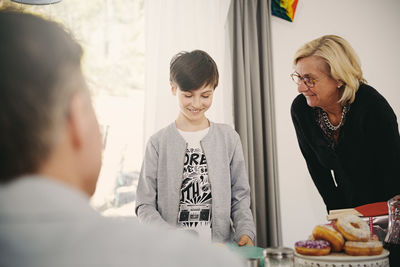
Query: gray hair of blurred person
[[40, 68], [342, 63]]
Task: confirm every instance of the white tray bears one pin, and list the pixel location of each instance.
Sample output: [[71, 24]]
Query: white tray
[[342, 259]]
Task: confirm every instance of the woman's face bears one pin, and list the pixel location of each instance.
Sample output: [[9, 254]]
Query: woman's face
[[325, 92]]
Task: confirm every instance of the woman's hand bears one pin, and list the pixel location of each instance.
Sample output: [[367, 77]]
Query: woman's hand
[[245, 240]]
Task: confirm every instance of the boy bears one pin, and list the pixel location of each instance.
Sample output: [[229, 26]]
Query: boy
[[193, 174]]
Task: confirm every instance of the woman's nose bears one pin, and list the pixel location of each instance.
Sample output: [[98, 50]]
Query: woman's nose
[[302, 87]]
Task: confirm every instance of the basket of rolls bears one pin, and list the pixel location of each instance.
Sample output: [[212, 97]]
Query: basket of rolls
[[346, 241]]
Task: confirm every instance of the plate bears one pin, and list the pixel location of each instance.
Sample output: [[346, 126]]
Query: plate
[[342, 259], [337, 257]]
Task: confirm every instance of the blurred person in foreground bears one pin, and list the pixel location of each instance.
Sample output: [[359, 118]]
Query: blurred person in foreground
[[50, 159], [346, 129]]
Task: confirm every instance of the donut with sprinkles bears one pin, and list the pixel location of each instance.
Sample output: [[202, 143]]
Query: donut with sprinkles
[[313, 247]]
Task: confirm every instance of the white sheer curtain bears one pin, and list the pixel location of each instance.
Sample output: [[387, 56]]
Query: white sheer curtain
[[184, 25]]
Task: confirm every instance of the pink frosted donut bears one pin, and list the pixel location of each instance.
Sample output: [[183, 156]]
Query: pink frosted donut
[[313, 247]]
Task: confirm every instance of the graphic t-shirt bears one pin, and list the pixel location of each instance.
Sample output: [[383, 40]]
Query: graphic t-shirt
[[195, 199]]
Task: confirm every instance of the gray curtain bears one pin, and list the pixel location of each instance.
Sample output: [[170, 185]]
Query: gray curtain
[[250, 38]]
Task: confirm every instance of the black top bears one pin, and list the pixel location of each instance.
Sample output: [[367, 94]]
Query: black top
[[366, 159]]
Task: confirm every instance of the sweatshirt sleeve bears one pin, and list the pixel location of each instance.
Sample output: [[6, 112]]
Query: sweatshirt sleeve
[[321, 176], [146, 192], [242, 217], [383, 135]]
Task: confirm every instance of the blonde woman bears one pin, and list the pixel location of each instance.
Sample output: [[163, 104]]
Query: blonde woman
[[347, 131]]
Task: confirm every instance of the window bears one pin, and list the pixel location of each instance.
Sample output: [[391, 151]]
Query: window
[[111, 33]]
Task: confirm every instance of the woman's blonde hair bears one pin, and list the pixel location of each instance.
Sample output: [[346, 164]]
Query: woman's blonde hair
[[343, 63]]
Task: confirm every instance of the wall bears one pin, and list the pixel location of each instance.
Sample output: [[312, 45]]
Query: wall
[[372, 28]]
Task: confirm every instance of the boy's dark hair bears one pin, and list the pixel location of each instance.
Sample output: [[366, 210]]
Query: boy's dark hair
[[193, 70], [39, 61]]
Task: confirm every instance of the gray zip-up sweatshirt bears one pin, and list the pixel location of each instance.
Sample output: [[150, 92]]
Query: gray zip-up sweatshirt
[[158, 191]]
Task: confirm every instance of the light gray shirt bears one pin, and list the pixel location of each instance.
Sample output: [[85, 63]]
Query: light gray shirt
[[46, 223], [158, 191]]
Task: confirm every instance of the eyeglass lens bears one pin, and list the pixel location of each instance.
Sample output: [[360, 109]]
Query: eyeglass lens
[[298, 79]]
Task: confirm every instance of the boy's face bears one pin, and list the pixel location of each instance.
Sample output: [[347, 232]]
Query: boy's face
[[193, 104]]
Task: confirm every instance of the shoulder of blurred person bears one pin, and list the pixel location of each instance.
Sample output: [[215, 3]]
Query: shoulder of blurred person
[[45, 223]]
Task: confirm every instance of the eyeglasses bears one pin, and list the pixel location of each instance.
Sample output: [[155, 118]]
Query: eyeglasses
[[308, 81]]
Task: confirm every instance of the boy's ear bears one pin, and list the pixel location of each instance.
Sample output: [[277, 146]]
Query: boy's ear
[[173, 88]]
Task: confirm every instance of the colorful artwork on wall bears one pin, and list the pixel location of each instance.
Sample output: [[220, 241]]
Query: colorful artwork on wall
[[284, 9]]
